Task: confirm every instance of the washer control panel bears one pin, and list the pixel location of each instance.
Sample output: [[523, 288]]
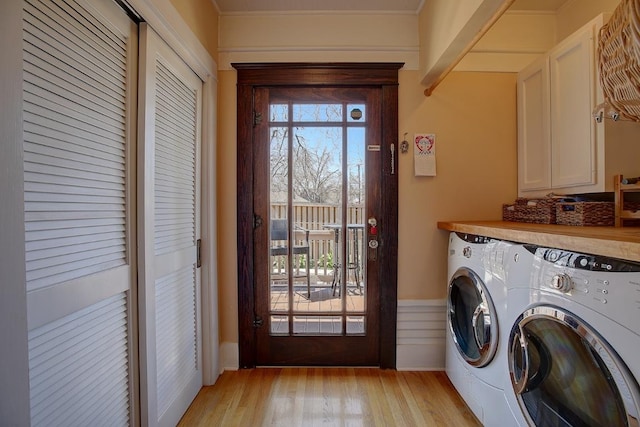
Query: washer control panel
[[610, 286], [587, 262]]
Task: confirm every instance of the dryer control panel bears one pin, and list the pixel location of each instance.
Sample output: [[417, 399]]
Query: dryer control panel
[[473, 238]]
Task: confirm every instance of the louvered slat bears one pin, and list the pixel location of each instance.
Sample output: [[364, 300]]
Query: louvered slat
[[176, 343], [80, 359], [175, 163], [75, 90], [88, 136]]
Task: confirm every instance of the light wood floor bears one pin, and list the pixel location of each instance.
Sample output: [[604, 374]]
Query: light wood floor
[[329, 397]]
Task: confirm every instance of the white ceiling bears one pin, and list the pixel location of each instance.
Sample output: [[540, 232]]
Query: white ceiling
[[226, 6]]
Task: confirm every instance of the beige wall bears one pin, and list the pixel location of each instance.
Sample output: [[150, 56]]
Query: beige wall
[[202, 18], [474, 118], [227, 212]]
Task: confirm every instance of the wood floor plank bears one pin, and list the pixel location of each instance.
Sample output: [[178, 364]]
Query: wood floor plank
[[358, 397]]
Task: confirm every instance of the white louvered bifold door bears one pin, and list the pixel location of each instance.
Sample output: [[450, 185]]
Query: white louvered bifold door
[[80, 84], [170, 123]]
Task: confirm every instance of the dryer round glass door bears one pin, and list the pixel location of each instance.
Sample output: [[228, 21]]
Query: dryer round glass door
[[564, 374], [472, 318]]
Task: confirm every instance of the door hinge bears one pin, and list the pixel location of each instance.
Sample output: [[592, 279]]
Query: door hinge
[[258, 322], [199, 253], [257, 221], [257, 118]]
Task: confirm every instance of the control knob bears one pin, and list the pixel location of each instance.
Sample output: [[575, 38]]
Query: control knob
[[466, 252], [562, 282]]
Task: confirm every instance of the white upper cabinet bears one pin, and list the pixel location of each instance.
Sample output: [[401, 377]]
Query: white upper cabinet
[[556, 131], [561, 148]]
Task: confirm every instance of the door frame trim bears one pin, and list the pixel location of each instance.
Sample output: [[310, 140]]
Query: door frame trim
[[382, 75]]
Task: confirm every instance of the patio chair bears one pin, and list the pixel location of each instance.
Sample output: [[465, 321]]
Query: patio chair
[[280, 234]]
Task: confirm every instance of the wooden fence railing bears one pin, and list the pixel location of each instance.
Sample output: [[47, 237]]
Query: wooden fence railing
[[314, 217]]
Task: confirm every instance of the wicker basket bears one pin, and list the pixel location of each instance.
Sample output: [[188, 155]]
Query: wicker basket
[[536, 211], [585, 213], [619, 59]]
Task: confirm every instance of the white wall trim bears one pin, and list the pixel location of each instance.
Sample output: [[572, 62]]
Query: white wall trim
[[531, 12], [320, 49], [268, 13], [421, 337]]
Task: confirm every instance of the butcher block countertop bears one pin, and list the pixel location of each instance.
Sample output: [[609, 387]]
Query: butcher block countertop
[[616, 242]]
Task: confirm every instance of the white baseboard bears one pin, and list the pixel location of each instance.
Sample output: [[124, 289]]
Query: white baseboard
[[229, 356], [421, 339]]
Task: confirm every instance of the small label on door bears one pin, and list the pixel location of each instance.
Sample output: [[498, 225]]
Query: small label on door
[[373, 148]]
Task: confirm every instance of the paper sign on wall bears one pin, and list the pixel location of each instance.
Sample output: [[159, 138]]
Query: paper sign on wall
[[424, 154]]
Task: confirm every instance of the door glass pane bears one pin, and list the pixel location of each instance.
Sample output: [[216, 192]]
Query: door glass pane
[[317, 202], [355, 325], [355, 219], [278, 112], [317, 113], [317, 325], [279, 325], [278, 224]]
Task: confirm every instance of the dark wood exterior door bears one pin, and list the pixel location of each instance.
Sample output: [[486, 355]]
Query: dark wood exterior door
[[322, 238]]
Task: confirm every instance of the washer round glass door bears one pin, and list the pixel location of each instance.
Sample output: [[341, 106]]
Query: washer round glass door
[[564, 374], [472, 318]]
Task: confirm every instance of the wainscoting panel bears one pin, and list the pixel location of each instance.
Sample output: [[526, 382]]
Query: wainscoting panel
[[421, 335]]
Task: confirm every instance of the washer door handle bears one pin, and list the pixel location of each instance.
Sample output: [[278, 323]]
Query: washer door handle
[[481, 332]]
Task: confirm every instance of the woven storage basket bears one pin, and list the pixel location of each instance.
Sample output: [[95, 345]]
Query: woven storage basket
[[619, 59], [585, 213], [541, 211]]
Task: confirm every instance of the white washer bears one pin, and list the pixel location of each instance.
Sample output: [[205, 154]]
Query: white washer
[[476, 302], [573, 346]]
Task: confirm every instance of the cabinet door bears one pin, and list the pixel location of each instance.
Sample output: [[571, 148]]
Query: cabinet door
[[534, 143], [573, 141]]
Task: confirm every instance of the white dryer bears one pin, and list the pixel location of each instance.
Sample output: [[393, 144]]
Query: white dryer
[[476, 301], [573, 342]]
